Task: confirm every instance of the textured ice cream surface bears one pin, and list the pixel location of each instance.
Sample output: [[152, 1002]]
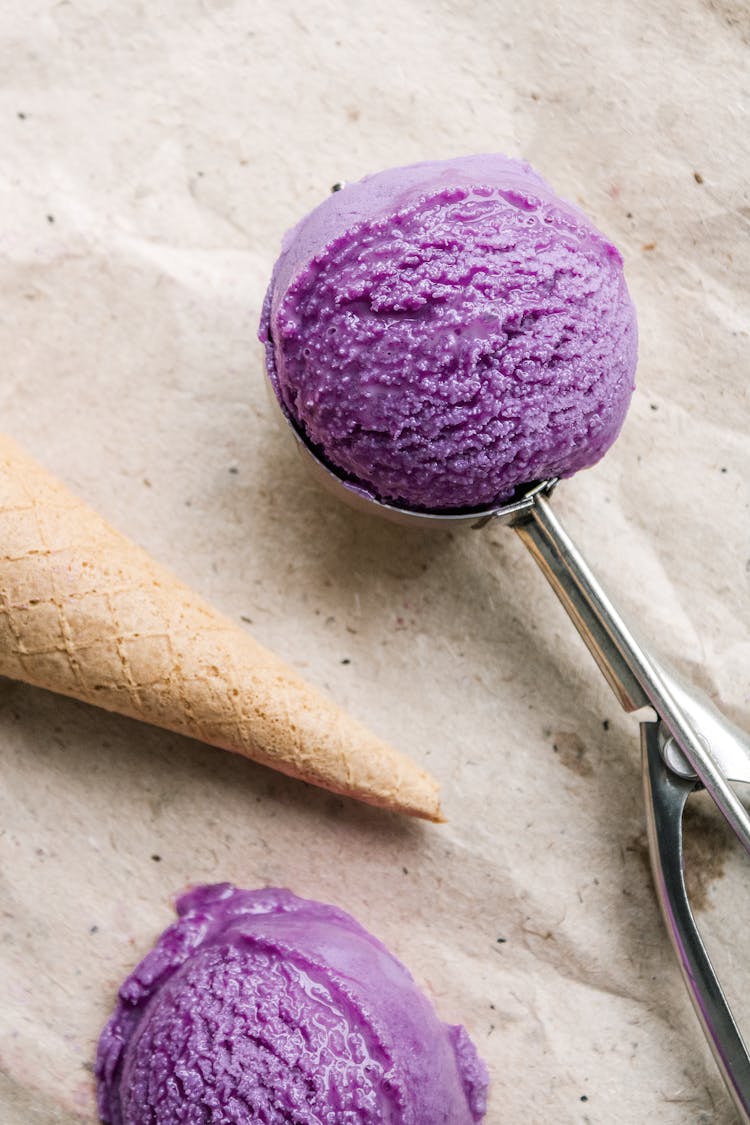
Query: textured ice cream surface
[[443, 333], [261, 1006]]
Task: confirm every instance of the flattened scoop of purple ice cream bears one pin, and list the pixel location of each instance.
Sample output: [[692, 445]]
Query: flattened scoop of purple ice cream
[[261, 1006], [443, 333]]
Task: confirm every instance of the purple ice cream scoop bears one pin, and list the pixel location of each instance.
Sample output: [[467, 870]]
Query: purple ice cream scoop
[[443, 333], [261, 1006]]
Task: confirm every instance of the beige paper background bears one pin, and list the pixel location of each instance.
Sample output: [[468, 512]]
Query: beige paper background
[[152, 155]]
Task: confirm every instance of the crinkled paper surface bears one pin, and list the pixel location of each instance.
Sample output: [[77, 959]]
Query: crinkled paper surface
[[152, 156]]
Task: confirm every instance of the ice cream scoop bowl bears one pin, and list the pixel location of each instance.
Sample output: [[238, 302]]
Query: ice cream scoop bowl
[[686, 742]]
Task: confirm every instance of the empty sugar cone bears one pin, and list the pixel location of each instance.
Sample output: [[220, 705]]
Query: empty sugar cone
[[87, 613]]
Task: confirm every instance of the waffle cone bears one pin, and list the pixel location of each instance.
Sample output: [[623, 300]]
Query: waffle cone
[[87, 613]]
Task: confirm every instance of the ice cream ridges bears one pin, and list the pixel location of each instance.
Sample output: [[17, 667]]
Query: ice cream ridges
[[443, 333], [87, 613], [261, 1006]]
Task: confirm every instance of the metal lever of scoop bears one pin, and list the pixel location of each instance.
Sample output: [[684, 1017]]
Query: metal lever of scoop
[[707, 740], [666, 795]]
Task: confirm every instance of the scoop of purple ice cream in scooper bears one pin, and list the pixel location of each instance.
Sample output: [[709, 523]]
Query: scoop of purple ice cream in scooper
[[443, 333]]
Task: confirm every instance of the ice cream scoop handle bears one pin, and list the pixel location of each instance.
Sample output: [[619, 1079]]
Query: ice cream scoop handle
[[690, 742], [706, 740], [584, 600]]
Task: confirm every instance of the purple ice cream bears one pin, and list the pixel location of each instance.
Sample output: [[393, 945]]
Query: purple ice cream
[[261, 1006], [443, 333]]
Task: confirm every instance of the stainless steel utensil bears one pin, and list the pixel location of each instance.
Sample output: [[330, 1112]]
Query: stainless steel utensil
[[686, 742]]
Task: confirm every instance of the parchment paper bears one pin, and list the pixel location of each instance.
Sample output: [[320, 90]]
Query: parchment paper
[[152, 156]]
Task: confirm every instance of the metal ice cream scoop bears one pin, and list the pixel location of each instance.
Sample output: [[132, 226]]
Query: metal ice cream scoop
[[686, 745]]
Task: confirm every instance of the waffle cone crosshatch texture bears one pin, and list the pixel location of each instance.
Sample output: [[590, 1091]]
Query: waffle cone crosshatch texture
[[87, 613]]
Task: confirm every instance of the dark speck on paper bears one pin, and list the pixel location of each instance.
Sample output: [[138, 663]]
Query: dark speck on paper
[[93, 929], [21, 116], [233, 470], [572, 753], [654, 406], [50, 218], [405, 870], [246, 619], [346, 660], [501, 940], [156, 858], [697, 177], [584, 1097], [605, 724]]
